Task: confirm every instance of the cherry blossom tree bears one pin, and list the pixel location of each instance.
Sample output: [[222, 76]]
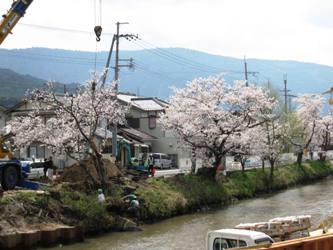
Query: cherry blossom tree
[[73, 120], [269, 142], [208, 113], [244, 145], [303, 129], [325, 131]]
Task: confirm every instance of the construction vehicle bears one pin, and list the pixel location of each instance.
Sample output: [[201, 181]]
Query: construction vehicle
[[13, 15], [5, 153], [11, 174]]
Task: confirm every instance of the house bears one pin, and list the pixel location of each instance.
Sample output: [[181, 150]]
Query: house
[[141, 134], [143, 117]]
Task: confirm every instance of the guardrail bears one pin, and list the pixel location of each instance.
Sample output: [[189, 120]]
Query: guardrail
[[323, 242]]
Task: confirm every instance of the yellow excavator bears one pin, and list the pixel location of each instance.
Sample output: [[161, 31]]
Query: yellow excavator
[[13, 15]]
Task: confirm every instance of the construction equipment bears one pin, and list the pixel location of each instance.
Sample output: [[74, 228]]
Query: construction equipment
[[10, 174], [10, 19], [5, 153]]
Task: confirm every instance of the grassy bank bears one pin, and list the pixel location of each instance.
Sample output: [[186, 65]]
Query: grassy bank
[[164, 198], [159, 198]]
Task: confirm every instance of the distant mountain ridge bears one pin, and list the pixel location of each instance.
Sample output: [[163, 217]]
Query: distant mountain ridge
[[13, 86], [158, 69]]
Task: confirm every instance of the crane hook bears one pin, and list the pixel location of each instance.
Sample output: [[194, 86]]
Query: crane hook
[[98, 32]]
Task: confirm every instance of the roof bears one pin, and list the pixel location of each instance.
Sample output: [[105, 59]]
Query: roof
[[143, 103], [136, 134], [241, 232], [16, 106], [103, 133]]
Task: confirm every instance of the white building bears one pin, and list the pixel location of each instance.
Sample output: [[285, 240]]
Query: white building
[[143, 116]]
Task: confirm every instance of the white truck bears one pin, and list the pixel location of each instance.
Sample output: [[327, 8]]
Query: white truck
[[235, 238]]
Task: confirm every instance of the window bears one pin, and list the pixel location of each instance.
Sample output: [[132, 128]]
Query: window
[[40, 152], [36, 152], [263, 241], [152, 122], [133, 122], [164, 157], [242, 243], [220, 244], [232, 243], [156, 156]]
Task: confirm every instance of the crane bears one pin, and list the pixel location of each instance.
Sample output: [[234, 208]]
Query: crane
[[13, 15]]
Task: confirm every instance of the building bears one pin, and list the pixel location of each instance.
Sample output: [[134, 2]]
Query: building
[[143, 117], [141, 134]]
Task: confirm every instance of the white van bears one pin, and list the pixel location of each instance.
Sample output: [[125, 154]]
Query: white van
[[235, 238], [161, 161]]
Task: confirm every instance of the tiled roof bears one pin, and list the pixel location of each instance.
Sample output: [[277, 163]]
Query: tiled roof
[[143, 103], [140, 135]]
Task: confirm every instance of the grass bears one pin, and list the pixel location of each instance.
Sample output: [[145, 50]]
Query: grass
[[159, 200], [163, 198], [83, 206]]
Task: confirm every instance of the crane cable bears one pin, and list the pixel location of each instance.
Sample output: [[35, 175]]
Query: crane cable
[[97, 28], [98, 21]]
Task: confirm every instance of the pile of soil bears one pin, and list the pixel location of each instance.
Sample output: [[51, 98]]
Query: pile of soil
[[83, 175], [18, 215]]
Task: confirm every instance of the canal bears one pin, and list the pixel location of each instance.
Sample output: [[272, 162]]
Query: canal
[[189, 231]]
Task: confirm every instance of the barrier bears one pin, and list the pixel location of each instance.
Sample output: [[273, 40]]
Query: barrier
[[323, 242], [46, 235]]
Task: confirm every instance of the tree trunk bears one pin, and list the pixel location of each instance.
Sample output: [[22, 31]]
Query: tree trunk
[[97, 157], [271, 175], [322, 156], [242, 162], [220, 165], [299, 158], [263, 165]]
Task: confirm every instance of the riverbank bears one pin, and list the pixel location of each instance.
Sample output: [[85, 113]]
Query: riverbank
[[65, 204], [188, 193]]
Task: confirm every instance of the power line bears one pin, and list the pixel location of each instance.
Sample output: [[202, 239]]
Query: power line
[[163, 53], [37, 26], [36, 57], [180, 58]]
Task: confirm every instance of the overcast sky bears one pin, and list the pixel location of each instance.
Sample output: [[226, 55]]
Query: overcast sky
[[272, 29]]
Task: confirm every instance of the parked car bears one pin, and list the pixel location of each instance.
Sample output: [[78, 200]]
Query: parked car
[[36, 170], [161, 161]]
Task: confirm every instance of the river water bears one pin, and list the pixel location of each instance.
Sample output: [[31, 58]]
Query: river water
[[189, 231]]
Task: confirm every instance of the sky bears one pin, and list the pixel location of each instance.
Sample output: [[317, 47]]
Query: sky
[[299, 30]]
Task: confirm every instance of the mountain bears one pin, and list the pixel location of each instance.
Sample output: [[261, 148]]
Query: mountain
[[13, 86], [158, 69]]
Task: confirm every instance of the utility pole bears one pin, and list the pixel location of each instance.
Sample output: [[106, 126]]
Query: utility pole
[[247, 73], [290, 101], [285, 92], [116, 39]]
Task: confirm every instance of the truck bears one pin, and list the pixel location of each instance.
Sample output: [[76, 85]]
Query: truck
[[11, 174], [12, 171], [235, 238]]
